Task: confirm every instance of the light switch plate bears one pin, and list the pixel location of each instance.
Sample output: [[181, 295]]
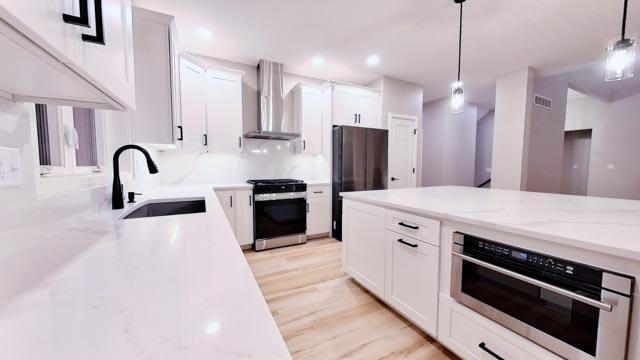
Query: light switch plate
[[10, 167]]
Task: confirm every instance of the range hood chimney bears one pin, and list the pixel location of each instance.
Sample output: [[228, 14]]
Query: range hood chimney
[[271, 121]]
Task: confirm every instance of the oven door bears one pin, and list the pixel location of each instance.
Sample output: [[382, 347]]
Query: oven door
[[572, 324], [277, 215]]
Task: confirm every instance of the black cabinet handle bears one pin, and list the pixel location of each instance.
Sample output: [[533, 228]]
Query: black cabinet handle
[[230, 201], [359, 118], [250, 198], [307, 207], [206, 140], [181, 136], [318, 192], [484, 347], [98, 38], [413, 227], [355, 118], [240, 141], [304, 144], [82, 20], [407, 243]]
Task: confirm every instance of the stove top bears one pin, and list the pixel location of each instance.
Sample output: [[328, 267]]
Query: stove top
[[272, 186], [275, 181]]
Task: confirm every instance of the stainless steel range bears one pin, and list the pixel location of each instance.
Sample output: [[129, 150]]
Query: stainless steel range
[[280, 213]]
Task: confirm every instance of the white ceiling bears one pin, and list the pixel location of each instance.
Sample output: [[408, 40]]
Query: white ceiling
[[416, 39]]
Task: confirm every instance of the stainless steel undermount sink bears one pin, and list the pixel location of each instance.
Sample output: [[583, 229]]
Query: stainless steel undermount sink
[[167, 208]]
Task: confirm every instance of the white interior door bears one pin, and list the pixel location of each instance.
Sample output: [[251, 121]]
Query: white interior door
[[402, 151]]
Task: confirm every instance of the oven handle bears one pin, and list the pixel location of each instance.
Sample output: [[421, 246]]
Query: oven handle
[[279, 196], [558, 290]]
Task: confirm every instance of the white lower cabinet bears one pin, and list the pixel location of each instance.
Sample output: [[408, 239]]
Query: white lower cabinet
[[472, 336], [411, 285], [238, 207], [319, 209], [363, 247]]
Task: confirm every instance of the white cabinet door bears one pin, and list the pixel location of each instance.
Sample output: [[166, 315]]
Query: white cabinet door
[[308, 113], [319, 216], [224, 110], [412, 280], [153, 119], [345, 108], [193, 101], [363, 247], [244, 217], [227, 200], [111, 64], [368, 109]]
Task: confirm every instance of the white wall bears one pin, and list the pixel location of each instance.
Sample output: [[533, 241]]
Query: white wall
[[449, 144], [510, 138], [484, 148], [614, 168]]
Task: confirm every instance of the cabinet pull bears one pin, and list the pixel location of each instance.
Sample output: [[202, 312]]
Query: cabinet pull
[[413, 227], [230, 201], [484, 347], [240, 141], [82, 20], [318, 192], [181, 136], [304, 144], [359, 118], [407, 243], [307, 207], [98, 38], [250, 200], [206, 141], [355, 118]]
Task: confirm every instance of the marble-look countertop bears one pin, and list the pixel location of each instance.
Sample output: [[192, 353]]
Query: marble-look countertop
[[610, 226], [173, 287]]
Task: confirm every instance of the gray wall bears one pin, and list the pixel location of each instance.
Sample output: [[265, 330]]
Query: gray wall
[[546, 137], [449, 144], [484, 148], [614, 168]]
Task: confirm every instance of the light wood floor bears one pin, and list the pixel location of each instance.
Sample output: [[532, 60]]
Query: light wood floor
[[324, 314]]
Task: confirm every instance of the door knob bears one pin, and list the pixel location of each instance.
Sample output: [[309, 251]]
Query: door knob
[[394, 179]]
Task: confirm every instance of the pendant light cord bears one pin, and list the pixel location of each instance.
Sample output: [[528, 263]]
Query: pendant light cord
[[624, 19], [460, 41]]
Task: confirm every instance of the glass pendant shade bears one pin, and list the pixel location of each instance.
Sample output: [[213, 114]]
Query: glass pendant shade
[[457, 97], [621, 60]]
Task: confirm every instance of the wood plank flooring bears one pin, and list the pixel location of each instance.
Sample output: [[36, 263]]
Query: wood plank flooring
[[323, 314]]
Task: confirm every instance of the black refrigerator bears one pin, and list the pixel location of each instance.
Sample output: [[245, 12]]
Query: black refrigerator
[[359, 163]]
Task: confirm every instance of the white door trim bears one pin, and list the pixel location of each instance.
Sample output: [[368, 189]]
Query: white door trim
[[414, 159]]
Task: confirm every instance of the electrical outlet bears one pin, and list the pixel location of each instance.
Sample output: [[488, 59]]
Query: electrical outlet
[[10, 167]]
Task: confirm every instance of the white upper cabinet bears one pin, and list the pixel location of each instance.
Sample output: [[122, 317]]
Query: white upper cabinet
[[48, 60], [224, 110], [154, 119], [308, 113], [193, 100], [355, 106]]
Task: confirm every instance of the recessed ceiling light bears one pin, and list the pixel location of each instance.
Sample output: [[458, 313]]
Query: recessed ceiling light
[[373, 60], [317, 61], [204, 33]]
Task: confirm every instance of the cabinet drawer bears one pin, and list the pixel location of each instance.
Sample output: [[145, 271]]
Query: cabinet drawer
[[475, 337], [417, 227], [318, 191]]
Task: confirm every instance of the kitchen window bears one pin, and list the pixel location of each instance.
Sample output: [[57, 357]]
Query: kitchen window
[[70, 140]]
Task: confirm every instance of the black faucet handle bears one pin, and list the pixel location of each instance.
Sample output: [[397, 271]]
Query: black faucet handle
[[132, 196]]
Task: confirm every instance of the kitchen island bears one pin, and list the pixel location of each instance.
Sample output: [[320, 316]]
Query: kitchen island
[[400, 244], [169, 287]]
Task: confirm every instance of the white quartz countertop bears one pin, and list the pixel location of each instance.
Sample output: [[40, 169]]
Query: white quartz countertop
[[610, 226], [172, 287]]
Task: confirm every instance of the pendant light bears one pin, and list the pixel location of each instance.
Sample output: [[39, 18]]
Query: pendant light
[[457, 90], [621, 55]]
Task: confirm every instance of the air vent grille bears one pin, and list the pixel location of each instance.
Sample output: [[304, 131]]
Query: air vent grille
[[542, 101]]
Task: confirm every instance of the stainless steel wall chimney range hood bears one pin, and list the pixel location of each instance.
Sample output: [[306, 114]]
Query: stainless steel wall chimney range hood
[[272, 123]]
